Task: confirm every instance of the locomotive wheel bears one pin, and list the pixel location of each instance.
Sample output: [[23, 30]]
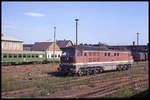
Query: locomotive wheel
[[100, 70], [119, 68], [95, 71], [80, 73], [87, 72]]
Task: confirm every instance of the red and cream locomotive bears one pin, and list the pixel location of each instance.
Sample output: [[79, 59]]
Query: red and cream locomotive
[[85, 60]]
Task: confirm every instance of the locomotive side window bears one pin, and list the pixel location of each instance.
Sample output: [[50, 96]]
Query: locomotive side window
[[117, 54], [108, 54], [105, 54]]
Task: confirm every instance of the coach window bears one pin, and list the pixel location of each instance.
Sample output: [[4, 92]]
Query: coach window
[[4, 55], [10, 55], [24, 55], [32, 55], [37, 56], [15, 56], [28, 56], [19, 55], [52, 55]]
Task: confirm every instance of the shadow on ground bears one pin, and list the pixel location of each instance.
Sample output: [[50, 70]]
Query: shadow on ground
[[58, 74], [144, 94]]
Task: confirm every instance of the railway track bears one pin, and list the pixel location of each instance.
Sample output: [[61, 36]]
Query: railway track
[[107, 88], [62, 83], [79, 78]]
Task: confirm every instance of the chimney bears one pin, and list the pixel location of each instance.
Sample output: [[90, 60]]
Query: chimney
[[133, 43]]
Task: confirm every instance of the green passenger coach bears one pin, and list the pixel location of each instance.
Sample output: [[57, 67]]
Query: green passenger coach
[[21, 57]]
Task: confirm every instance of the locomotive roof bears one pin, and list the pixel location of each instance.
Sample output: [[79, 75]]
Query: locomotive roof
[[95, 48]]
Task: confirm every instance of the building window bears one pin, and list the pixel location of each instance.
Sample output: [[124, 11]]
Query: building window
[[115, 54], [90, 54]]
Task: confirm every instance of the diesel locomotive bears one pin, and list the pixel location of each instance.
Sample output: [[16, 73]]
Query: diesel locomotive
[[84, 60]]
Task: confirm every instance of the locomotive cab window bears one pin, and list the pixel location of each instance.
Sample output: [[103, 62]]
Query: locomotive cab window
[[79, 54], [108, 54]]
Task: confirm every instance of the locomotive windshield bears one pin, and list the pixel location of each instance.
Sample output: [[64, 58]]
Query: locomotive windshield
[[69, 53]]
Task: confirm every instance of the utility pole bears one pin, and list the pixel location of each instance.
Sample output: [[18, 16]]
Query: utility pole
[[54, 43], [76, 31], [137, 38]]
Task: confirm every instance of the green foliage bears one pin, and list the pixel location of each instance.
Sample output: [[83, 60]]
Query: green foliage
[[34, 94], [44, 92]]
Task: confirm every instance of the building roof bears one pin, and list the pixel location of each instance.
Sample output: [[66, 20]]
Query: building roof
[[41, 46], [63, 43], [10, 39], [28, 45]]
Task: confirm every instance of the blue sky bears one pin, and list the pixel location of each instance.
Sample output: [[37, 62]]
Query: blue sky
[[113, 23]]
